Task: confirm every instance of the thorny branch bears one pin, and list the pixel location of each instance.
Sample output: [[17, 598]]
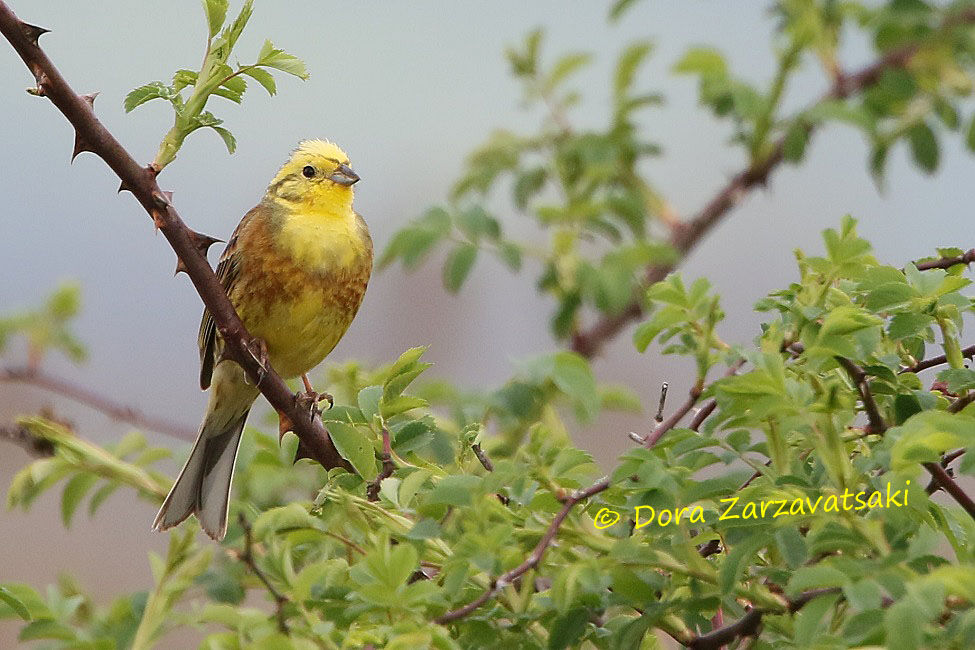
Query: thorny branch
[[533, 559], [84, 395], [686, 236], [92, 136]]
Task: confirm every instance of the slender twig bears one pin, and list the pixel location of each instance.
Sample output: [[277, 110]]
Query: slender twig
[[533, 559], [940, 476], [482, 456], [962, 402], [372, 492], [685, 237], [924, 364], [748, 625], [705, 411], [92, 136], [947, 262], [83, 395], [247, 557], [859, 377]]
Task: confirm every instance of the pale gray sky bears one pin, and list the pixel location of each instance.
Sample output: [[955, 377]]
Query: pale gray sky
[[407, 89]]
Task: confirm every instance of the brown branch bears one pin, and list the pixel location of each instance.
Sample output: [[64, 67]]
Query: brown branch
[[940, 476], [947, 262], [748, 625], [83, 395], [924, 364], [686, 236], [705, 411], [372, 492], [141, 181], [247, 557], [532, 561], [876, 422]]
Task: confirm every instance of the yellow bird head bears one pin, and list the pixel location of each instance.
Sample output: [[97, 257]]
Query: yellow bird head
[[317, 175]]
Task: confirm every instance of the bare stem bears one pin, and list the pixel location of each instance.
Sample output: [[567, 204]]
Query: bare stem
[[84, 395]]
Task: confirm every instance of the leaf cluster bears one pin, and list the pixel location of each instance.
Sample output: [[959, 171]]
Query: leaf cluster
[[216, 77]]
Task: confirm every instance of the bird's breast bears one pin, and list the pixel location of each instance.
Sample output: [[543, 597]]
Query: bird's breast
[[301, 285]]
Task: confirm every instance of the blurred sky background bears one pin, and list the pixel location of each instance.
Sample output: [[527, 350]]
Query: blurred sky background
[[408, 89]]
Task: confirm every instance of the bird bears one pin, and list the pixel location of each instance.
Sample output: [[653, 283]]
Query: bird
[[296, 269]]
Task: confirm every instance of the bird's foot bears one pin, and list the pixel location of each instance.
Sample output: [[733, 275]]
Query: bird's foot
[[257, 348], [310, 399]]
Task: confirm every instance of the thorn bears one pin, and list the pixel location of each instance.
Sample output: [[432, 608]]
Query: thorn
[[80, 144], [157, 220], [36, 91], [636, 437], [33, 32], [284, 425], [124, 188], [90, 99], [200, 241], [161, 200]]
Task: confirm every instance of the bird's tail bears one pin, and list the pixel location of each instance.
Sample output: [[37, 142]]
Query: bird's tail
[[203, 486]]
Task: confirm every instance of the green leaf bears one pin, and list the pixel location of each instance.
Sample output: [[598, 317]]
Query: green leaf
[[355, 448], [14, 603], [510, 254], [627, 66], [281, 60], [958, 379], [567, 629], [810, 577], [74, 491], [737, 561], [565, 67], [227, 137], [368, 400], [796, 139], [143, 94], [183, 79], [458, 266], [216, 11], [970, 135], [573, 376], [454, 490], [262, 77], [235, 29], [619, 8], [703, 61], [924, 147]]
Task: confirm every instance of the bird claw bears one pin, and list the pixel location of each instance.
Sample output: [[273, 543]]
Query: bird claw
[[257, 348], [309, 400]]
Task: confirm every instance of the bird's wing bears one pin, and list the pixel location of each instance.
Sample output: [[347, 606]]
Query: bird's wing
[[227, 270]]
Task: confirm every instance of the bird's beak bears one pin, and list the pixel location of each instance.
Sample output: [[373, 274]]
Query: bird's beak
[[344, 176]]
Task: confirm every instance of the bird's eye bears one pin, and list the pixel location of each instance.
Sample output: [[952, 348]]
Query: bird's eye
[[308, 171]]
